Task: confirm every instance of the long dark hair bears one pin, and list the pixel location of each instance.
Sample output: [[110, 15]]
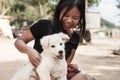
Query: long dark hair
[[80, 4]]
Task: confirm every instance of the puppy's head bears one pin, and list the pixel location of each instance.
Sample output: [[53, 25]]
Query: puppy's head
[[54, 44]]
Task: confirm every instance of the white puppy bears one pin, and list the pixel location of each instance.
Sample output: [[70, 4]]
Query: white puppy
[[53, 60]]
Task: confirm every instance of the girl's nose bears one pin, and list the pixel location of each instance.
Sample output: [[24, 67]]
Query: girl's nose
[[69, 20]]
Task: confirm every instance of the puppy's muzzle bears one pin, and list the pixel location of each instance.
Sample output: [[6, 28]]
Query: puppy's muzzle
[[60, 56]]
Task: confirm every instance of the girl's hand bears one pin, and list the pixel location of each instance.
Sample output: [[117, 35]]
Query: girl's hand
[[75, 66], [72, 67], [34, 56]]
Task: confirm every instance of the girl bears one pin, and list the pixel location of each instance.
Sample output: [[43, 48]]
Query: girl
[[69, 14]]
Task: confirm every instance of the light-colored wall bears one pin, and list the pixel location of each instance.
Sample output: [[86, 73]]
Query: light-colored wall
[[93, 20]]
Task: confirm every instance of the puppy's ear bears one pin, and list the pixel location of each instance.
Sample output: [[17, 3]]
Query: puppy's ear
[[64, 36], [44, 42]]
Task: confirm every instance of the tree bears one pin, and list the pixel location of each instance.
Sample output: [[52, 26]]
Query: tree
[[5, 6], [92, 2], [31, 8], [42, 7], [118, 3]]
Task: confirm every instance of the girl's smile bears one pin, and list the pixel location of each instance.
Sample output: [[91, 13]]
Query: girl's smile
[[70, 19]]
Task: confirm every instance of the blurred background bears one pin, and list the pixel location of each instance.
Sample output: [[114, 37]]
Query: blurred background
[[98, 53], [102, 16]]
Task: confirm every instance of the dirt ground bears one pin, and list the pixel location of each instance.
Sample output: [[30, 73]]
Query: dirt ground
[[94, 59]]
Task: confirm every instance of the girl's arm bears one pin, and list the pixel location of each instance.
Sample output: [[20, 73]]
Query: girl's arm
[[70, 58], [21, 45]]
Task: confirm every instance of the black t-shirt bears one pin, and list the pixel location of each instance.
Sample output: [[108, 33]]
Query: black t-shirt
[[44, 27]]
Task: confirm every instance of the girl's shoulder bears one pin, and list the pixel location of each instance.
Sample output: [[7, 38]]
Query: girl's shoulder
[[40, 28], [41, 22], [75, 34], [75, 37]]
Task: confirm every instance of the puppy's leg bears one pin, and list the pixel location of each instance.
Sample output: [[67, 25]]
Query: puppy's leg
[[62, 78], [43, 73], [34, 75], [23, 73]]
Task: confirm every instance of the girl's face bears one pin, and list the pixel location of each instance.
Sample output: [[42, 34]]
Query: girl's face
[[70, 19]]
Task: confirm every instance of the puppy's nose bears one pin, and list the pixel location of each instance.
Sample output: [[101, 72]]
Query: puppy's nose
[[61, 52]]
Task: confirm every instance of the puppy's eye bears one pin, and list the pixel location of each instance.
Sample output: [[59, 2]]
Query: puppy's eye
[[52, 46], [60, 43]]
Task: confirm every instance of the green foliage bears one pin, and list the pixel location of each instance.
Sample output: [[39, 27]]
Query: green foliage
[[35, 2], [107, 24], [18, 7], [118, 4], [32, 8], [5, 5], [92, 2]]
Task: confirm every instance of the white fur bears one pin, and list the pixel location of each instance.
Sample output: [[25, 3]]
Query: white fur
[[53, 60]]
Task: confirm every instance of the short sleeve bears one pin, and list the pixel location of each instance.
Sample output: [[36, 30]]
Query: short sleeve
[[72, 44], [40, 28], [74, 40]]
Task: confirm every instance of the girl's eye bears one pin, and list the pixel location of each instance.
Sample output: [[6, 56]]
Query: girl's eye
[[66, 15], [75, 18], [52, 46]]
